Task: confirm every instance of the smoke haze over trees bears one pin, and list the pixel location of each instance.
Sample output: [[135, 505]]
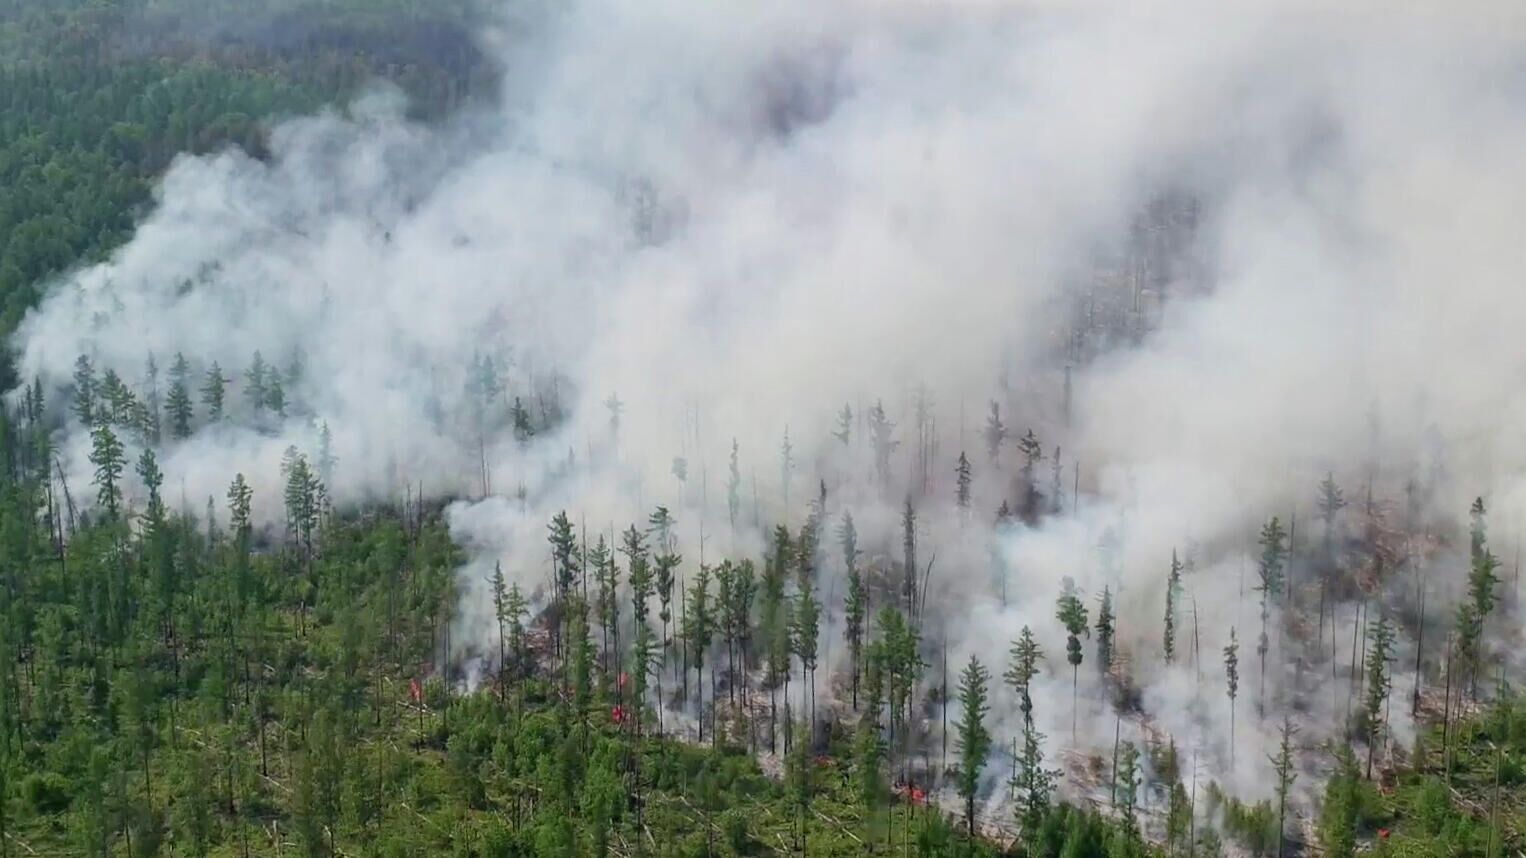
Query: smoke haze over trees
[[1039, 301]]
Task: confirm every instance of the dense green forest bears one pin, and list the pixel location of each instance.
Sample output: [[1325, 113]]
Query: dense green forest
[[186, 681], [96, 99]]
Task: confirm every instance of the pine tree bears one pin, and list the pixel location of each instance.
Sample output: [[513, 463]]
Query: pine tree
[[974, 738], [996, 433], [327, 461], [1338, 816], [638, 571], [1173, 588], [1269, 572], [213, 392], [786, 465], [962, 482], [519, 419], [108, 457], [1232, 678], [1071, 612], [1035, 783]]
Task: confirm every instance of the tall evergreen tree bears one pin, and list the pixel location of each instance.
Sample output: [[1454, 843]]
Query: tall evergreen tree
[[733, 486], [995, 433], [1380, 646], [1269, 567], [213, 393], [1173, 589], [856, 607], [1071, 612], [1286, 769], [974, 738], [178, 401], [108, 457], [1232, 686], [1106, 627], [844, 431], [962, 482]]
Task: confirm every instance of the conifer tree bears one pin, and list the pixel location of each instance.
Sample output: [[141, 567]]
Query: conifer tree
[[178, 401], [1105, 630], [108, 457], [256, 380], [1071, 612], [1338, 815], [995, 433], [909, 558], [786, 465], [698, 628], [844, 431], [1173, 588], [519, 418], [1474, 613], [1232, 680], [85, 391], [500, 614], [974, 738], [804, 636], [607, 584], [1269, 572], [1024, 665], [1128, 783], [1380, 645], [638, 571], [1035, 783], [213, 392], [1287, 772], [733, 487], [962, 483], [881, 431], [1033, 453], [856, 607], [327, 461]]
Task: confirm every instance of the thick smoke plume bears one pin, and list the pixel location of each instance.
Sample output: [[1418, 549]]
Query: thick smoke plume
[[1211, 251]]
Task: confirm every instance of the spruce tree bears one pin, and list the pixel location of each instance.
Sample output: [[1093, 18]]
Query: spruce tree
[[1128, 783], [1033, 453], [804, 635], [881, 432], [909, 559], [698, 628], [1024, 665], [85, 391], [1286, 770]]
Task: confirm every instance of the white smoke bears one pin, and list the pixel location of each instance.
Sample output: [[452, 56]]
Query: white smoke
[[740, 218]]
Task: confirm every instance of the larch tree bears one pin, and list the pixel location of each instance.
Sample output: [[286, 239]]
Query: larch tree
[[856, 606], [1380, 647], [962, 483], [1269, 567], [995, 433], [1173, 590], [500, 614], [1024, 665], [108, 457], [844, 430], [1232, 686], [1106, 629], [881, 436], [699, 627], [1071, 612], [804, 637], [178, 400], [1032, 452], [974, 738], [909, 559], [214, 389], [1286, 769], [733, 486], [1127, 785], [1483, 577]]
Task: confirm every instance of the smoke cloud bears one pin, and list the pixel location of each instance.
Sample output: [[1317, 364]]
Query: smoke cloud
[[1211, 251]]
